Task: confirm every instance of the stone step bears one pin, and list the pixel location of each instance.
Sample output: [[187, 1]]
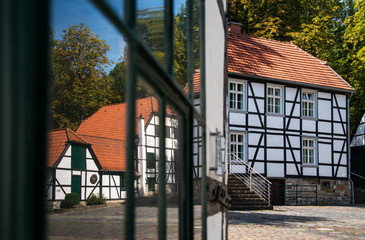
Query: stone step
[[250, 207], [244, 202]]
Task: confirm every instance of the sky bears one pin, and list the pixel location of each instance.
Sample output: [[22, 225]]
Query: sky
[[65, 13]]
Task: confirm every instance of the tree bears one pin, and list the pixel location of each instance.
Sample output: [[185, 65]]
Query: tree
[[80, 83], [354, 45]]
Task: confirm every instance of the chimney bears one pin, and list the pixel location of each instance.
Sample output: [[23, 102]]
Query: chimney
[[234, 27]]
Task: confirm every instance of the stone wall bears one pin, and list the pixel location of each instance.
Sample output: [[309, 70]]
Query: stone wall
[[317, 192]]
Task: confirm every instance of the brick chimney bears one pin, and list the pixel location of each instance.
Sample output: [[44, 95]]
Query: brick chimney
[[234, 27]]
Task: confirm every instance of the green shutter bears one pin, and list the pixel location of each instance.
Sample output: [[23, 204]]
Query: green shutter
[[78, 155]]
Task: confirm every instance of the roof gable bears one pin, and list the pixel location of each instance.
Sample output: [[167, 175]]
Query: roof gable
[[57, 141], [111, 153], [279, 60], [111, 121]]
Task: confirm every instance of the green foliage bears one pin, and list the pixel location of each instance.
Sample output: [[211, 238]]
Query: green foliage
[[71, 199], [80, 83], [332, 30], [95, 200], [354, 45]]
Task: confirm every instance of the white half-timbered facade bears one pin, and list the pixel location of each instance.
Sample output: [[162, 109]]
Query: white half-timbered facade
[[109, 123], [78, 164], [288, 114]]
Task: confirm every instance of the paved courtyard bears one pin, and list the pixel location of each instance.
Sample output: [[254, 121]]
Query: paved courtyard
[[284, 222], [293, 222]]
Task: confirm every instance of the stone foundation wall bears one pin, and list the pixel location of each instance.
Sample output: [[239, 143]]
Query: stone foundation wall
[[329, 192]]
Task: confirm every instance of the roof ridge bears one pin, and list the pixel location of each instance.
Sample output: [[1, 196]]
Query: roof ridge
[[265, 39], [311, 55], [102, 137]]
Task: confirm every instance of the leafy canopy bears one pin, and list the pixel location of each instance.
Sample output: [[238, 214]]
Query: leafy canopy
[[80, 83]]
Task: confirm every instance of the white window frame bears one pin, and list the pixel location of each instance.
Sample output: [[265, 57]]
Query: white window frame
[[275, 97], [235, 142], [307, 149], [305, 113], [235, 92]]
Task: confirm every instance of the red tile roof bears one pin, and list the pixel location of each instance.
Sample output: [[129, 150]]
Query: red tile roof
[[279, 60], [196, 83], [111, 121], [109, 152], [57, 140]]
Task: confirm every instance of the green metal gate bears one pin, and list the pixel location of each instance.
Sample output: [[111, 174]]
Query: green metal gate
[[24, 118]]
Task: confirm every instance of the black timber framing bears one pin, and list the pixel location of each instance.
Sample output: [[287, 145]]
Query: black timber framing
[[321, 137]]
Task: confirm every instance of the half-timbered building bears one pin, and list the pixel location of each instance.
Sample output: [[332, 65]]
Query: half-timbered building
[[85, 165], [288, 118], [358, 157], [109, 122]]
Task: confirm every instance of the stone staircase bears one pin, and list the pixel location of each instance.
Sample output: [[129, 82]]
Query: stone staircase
[[359, 195], [243, 198]]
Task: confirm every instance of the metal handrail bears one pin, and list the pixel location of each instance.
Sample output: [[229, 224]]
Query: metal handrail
[[251, 178], [358, 175]]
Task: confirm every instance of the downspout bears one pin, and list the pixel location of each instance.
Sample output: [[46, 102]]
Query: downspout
[[351, 183]]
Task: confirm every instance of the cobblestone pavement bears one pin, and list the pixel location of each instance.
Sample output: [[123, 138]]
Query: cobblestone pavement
[[294, 222], [108, 223], [284, 222]]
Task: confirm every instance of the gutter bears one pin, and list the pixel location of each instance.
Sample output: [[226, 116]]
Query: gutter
[[351, 183]]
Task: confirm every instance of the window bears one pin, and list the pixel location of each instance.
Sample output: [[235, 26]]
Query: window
[[122, 182], [274, 99], [237, 95], [309, 151], [168, 133], [157, 130], [151, 184], [308, 104], [151, 160], [237, 146]]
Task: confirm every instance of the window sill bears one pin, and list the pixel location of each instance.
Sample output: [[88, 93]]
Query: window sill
[[309, 165], [309, 118], [237, 111], [275, 114]]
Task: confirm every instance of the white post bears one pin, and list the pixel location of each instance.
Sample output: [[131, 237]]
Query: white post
[[141, 157]]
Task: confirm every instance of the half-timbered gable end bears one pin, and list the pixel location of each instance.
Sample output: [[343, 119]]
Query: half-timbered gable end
[[109, 122], [72, 166], [288, 113]]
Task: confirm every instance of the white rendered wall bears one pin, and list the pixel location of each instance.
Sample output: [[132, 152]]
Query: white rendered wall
[[215, 99]]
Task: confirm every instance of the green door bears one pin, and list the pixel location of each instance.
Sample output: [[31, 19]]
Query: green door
[[76, 185]]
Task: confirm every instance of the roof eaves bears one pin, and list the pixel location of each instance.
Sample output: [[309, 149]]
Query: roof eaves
[[243, 75]]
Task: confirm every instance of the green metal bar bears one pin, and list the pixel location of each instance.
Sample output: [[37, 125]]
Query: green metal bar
[[149, 67], [203, 115], [162, 172], [130, 18], [23, 123], [169, 36], [186, 216], [190, 48]]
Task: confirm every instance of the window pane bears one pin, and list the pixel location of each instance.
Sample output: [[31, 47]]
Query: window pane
[[233, 137], [239, 101], [240, 138], [305, 96], [270, 91], [232, 86], [277, 91], [240, 87]]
